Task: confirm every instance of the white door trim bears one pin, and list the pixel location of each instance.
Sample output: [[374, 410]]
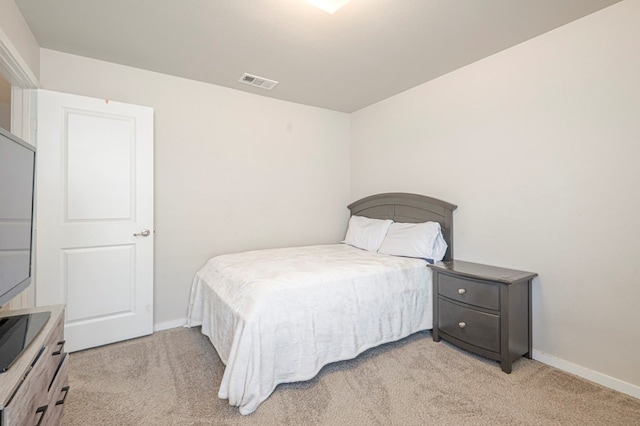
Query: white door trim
[[16, 71]]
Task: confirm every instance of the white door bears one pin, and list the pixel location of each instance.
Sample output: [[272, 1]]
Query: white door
[[94, 236]]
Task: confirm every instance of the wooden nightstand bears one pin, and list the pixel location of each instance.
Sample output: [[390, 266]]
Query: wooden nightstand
[[483, 309]]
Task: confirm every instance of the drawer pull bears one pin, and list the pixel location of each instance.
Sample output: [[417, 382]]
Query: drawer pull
[[66, 391], [462, 290], [41, 410], [60, 346], [462, 324]]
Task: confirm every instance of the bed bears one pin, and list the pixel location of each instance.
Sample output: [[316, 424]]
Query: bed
[[279, 315]]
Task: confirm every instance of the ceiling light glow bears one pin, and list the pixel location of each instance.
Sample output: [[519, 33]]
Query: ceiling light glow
[[329, 6]]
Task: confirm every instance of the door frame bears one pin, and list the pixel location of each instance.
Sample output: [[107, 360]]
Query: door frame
[[23, 124]]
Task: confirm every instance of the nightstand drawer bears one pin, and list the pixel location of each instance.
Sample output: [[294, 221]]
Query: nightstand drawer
[[474, 327], [469, 291]]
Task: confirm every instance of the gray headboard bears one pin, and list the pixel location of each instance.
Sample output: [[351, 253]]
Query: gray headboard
[[409, 208]]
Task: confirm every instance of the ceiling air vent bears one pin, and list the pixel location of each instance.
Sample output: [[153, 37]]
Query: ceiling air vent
[[261, 82]]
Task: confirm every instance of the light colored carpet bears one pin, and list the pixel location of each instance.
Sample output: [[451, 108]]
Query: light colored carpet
[[172, 378]]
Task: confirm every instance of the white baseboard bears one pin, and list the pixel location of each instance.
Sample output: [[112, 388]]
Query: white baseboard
[[585, 373], [169, 324]]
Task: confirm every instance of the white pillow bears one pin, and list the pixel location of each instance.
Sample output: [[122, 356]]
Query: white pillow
[[366, 233], [421, 240]]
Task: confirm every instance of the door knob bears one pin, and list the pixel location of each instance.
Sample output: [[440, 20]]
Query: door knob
[[143, 233]]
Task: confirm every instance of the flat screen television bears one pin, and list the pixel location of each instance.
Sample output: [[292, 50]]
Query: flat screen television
[[17, 169]]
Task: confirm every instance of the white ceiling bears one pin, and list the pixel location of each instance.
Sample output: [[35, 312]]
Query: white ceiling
[[365, 52]]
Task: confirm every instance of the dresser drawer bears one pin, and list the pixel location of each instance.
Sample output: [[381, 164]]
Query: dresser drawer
[[36, 381], [54, 348], [25, 406], [469, 291], [474, 327], [58, 390]]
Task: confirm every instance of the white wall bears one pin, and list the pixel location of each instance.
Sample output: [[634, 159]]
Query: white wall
[[539, 148], [5, 115], [233, 170], [5, 104]]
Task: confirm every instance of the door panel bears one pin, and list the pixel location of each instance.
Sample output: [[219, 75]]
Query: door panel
[[110, 293], [94, 192], [100, 172]]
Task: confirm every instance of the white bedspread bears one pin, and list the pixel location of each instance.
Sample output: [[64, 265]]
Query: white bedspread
[[280, 315]]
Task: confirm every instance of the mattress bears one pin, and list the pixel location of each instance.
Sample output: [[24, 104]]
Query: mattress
[[279, 315]]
